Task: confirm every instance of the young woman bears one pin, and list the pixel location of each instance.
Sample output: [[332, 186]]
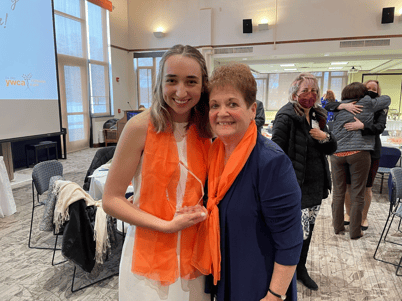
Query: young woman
[[164, 151]]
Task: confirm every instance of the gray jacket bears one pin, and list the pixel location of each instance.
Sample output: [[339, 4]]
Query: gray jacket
[[353, 140]]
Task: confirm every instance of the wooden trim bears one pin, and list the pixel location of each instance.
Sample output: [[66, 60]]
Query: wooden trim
[[277, 42], [121, 48], [106, 4]]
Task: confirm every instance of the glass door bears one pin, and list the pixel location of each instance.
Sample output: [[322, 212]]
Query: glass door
[[75, 106]]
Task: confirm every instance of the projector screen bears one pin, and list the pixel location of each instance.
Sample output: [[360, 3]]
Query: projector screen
[[29, 95]]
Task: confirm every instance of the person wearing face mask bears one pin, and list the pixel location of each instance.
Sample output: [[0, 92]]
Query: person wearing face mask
[[373, 128], [300, 130], [353, 155]]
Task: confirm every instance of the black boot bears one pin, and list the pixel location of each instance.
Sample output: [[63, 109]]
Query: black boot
[[301, 270]]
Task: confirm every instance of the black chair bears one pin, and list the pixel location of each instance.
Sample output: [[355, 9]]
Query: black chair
[[101, 157], [395, 210], [79, 244], [389, 157], [41, 175]]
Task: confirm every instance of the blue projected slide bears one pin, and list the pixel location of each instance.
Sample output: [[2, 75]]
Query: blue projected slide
[[27, 55], [29, 98]]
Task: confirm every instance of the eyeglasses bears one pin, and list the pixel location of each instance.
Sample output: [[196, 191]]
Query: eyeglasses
[[175, 187]]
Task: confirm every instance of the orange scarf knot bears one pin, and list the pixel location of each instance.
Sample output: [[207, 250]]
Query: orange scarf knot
[[207, 254]]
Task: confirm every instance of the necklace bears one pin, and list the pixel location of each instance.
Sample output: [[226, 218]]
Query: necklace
[[180, 131]]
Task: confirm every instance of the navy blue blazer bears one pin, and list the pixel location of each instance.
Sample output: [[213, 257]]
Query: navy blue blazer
[[260, 223]]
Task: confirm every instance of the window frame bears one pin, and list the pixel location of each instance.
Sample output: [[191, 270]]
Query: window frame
[[83, 19], [153, 68]]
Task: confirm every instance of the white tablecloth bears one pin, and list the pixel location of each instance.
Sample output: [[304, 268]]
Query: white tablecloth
[[97, 187], [7, 203], [389, 141]]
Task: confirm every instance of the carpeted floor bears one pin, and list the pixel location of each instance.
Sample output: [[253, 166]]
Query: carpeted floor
[[344, 269]]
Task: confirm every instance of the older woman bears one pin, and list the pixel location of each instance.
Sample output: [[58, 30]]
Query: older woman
[[252, 237], [300, 130], [353, 154]]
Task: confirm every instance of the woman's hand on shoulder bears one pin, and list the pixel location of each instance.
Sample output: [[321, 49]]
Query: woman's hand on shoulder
[[351, 107]]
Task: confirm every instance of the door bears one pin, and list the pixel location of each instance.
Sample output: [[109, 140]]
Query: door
[[74, 103]]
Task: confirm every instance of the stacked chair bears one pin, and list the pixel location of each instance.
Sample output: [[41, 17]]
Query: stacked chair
[[389, 157], [395, 211]]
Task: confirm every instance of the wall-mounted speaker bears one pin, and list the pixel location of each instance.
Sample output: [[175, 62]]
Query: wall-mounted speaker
[[247, 26], [387, 15]]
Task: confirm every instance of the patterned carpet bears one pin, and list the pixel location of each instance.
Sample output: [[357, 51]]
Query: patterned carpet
[[344, 269]]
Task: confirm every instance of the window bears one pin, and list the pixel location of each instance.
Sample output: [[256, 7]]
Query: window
[[146, 66], [279, 84], [82, 37]]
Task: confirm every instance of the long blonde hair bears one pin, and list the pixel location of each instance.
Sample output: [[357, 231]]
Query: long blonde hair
[[160, 115]]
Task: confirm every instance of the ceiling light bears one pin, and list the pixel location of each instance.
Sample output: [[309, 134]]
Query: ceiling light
[[290, 69], [244, 59], [327, 54], [335, 68], [339, 63], [287, 65]]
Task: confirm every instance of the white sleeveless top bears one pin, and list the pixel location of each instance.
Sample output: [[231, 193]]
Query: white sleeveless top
[[136, 287]]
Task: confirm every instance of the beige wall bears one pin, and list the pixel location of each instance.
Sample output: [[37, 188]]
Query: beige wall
[[219, 22], [297, 20]]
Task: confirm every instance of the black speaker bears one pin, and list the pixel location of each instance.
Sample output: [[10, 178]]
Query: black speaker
[[247, 26], [387, 15]]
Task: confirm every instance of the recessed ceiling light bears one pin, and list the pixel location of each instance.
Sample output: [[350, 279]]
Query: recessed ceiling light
[[326, 54], [290, 69], [339, 63], [335, 68], [244, 59], [287, 65]]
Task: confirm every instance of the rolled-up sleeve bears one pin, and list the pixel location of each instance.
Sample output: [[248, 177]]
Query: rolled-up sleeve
[[280, 198]]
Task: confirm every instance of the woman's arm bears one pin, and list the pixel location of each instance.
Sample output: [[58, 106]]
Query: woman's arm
[[380, 102], [281, 131], [281, 278], [327, 147], [378, 125], [281, 209], [351, 107], [124, 164]]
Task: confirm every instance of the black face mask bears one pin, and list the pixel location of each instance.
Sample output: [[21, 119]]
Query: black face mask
[[372, 94]]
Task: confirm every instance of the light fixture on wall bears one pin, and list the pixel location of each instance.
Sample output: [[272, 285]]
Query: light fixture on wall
[[159, 33], [263, 25]]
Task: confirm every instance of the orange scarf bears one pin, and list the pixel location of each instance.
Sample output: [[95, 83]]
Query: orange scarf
[[207, 253], [155, 253]]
